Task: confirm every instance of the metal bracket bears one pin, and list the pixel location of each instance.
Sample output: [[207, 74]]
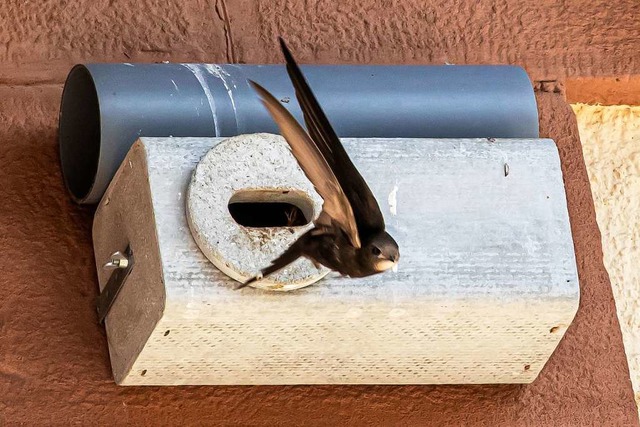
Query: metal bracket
[[122, 265]]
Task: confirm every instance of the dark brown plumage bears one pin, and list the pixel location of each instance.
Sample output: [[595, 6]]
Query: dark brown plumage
[[349, 235]]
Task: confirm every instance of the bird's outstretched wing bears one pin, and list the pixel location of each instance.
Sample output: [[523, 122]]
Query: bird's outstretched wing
[[336, 205], [365, 207]]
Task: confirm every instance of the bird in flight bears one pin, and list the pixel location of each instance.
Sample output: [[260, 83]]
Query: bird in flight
[[349, 234]]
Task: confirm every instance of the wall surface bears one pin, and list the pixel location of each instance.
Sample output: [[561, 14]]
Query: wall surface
[[54, 364], [555, 41], [611, 144]]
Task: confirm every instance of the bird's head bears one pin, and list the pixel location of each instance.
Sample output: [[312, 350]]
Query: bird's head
[[383, 251]]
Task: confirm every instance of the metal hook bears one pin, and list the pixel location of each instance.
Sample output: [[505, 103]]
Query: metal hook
[[122, 263]]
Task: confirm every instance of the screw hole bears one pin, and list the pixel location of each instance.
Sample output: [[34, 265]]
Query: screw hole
[[167, 332], [554, 329], [143, 373], [527, 367]]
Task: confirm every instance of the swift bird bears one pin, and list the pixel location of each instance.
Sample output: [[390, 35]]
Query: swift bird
[[349, 234]]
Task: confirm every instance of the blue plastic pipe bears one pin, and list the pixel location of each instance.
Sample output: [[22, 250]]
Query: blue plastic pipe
[[106, 107]]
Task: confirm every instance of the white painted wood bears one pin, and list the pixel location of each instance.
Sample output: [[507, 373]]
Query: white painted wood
[[485, 289]]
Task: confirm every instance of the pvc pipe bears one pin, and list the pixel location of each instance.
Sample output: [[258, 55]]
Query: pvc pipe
[[106, 107]]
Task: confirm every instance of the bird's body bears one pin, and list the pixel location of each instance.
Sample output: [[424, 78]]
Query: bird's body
[[349, 235], [330, 247]]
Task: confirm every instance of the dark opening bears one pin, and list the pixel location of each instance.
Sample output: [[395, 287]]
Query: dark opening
[[270, 208], [267, 214], [79, 133]]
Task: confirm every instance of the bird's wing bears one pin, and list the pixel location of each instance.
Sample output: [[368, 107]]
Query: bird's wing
[[336, 205], [365, 207]]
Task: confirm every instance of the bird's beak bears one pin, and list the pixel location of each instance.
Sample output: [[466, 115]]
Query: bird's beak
[[394, 260], [384, 262]]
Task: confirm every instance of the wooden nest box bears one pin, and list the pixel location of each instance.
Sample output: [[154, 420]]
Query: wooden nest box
[[484, 291]]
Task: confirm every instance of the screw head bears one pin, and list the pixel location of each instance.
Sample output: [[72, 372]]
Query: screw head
[[117, 260]]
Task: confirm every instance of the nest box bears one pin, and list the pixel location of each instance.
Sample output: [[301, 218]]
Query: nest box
[[484, 291]]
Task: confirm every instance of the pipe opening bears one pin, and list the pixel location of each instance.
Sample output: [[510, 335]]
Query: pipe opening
[[270, 208], [79, 133]]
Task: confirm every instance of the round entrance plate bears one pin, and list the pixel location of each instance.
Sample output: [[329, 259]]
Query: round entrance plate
[[251, 168]]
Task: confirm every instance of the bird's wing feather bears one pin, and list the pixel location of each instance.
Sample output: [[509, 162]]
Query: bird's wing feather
[[336, 204], [365, 207]]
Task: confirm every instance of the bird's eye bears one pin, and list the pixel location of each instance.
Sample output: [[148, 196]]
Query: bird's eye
[[375, 251]]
